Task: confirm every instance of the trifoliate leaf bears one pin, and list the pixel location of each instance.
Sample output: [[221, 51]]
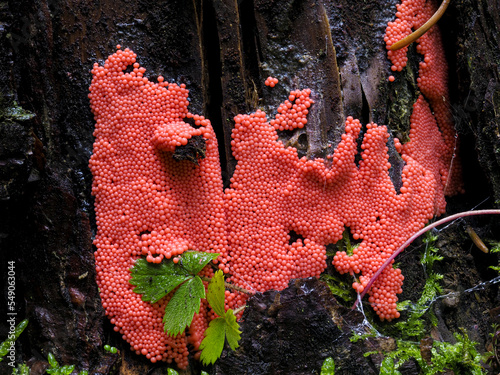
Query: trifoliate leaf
[[232, 329], [213, 343], [216, 293], [183, 305], [194, 261], [328, 367], [155, 281]]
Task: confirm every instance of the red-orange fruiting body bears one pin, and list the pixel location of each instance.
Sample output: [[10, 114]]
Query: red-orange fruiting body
[[149, 205]]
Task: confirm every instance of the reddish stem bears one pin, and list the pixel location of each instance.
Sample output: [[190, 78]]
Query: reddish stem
[[415, 236]]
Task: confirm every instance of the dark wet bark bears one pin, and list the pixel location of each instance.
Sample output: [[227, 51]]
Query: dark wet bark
[[293, 332], [222, 51], [475, 29]]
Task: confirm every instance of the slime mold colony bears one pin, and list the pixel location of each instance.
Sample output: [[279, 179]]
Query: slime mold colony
[[148, 204]]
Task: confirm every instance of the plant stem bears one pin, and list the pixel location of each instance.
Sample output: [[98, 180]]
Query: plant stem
[[239, 309], [415, 236], [422, 29], [230, 286]]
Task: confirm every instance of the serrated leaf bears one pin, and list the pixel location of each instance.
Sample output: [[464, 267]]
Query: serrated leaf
[[213, 343], [328, 367], [194, 261], [183, 305], [232, 329], [216, 293], [218, 331], [155, 281]]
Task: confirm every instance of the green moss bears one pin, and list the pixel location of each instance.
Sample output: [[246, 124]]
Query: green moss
[[402, 95], [11, 111], [412, 334]]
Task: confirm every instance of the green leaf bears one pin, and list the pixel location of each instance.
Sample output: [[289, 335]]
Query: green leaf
[[213, 343], [495, 268], [155, 281], [194, 261], [110, 349], [204, 373], [232, 329], [5, 346], [218, 331], [495, 248], [20, 328], [328, 367], [171, 371], [183, 305], [216, 293], [52, 360], [387, 367], [22, 369], [65, 370]]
